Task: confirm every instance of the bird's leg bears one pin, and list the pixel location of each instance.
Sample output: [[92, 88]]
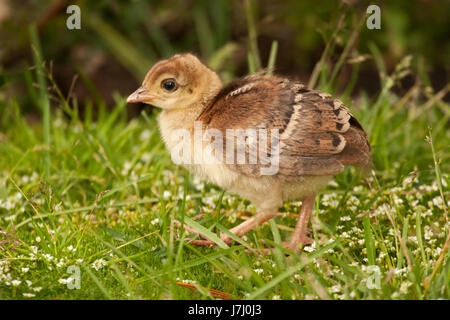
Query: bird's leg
[[241, 229], [298, 236]]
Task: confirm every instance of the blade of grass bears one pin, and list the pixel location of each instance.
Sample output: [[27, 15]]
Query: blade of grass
[[251, 63], [211, 236], [437, 170], [319, 67], [351, 42], [272, 57], [204, 32], [44, 103], [419, 234], [277, 238], [403, 252], [234, 237], [252, 34], [120, 46], [368, 237]]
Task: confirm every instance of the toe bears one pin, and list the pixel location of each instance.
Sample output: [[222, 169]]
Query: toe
[[203, 243]]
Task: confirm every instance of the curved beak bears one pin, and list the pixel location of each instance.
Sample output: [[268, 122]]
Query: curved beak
[[140, 95]]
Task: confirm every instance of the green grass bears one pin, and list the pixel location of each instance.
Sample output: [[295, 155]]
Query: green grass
[[103, 195]]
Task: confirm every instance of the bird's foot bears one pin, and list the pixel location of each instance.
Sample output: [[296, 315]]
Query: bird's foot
[[202, 242], [293, 245], [206, 242]]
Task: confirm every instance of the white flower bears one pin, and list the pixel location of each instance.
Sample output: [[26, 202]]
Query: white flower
[[333, 183], [145, 135], [400, 271], [48, 257], [146, 157], [345, 235], [16, 283], [330, 199], [427, 234], [408, 181], [58, 207], [336, 288], [404, 287], [258, 271], [310, 248], [126, 167], [187, 281], [60, 263], [353, 202], [398, 201], [98, 264], [438, 202], [29, 295]]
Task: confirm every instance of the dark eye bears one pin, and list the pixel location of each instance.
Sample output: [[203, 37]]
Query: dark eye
[[169, 84]]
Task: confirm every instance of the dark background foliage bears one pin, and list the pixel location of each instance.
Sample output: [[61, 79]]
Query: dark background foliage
[[120, 40]]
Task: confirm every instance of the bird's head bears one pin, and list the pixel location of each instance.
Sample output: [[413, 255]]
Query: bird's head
[[181, 81]]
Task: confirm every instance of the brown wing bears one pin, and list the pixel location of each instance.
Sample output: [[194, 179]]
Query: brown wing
[[317, 134]]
